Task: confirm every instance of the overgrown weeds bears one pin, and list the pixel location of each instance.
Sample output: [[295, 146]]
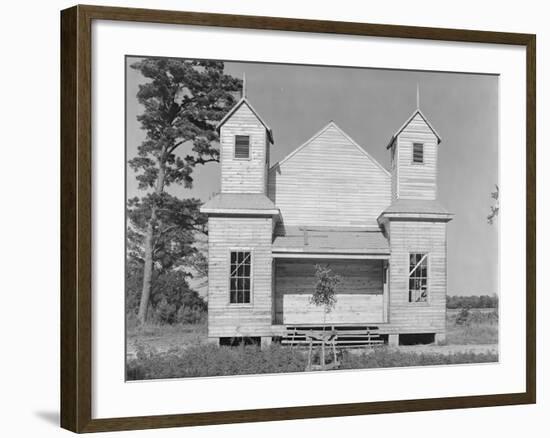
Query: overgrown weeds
[[212, 360]]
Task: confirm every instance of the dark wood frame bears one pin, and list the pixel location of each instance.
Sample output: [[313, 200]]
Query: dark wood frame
[[76, 217]]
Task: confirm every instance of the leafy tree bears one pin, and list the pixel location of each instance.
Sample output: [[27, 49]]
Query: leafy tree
[[325, 288], [176, 225], [172, 299], [324, 295], [183, 101]]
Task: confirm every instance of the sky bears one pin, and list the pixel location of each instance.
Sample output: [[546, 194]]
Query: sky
[[296, 101]]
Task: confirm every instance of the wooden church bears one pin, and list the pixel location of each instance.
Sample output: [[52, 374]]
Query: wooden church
[[328, 202]]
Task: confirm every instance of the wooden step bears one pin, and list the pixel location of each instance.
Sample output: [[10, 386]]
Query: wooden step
[[340, 336]]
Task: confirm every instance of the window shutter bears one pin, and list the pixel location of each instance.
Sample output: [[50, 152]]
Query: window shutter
[[242, 146], [418, 153]]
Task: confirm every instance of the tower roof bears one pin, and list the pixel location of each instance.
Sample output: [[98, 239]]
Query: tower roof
[[414, 114], [244, 101]]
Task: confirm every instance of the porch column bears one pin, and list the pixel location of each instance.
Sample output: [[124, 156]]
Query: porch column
[[385, 291]]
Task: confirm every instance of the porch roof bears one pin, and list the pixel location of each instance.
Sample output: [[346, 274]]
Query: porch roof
[[319, 241], [415, 209], [240, 203]]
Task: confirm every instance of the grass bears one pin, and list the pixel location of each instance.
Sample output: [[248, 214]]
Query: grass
[[211, 360], [479, 327], [157, 338], [181, 350]]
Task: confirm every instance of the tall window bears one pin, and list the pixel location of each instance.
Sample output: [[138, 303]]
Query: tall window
[[418, 277], [242, 146], [241, 262], [418, 153]]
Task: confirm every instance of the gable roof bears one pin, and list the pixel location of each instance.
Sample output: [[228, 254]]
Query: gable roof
[[417, 111], [330, 124], [244, 100]]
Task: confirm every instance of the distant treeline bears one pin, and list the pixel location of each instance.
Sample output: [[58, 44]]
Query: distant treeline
[[472, 302]]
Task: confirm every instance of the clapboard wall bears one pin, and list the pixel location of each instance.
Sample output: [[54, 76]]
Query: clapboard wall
[[243, 175], [413, 180], [329, 181], [419, 237], [225, 234]]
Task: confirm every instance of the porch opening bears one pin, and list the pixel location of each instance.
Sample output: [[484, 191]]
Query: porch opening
[[360, 297]]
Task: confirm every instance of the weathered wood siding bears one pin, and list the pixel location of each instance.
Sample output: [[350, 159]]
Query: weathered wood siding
[[349, 309], [416, 181], [296, 279], [424, 237], [225, 234], [330, 182], [243, 175]]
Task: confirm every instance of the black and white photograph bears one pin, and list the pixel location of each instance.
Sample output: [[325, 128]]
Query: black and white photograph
[[289, 218], [276, 219]]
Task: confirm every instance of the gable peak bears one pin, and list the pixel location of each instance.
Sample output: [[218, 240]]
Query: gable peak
[[244, 101], [330, 124], [415, 113]]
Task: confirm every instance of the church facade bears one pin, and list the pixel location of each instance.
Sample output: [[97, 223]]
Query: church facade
[[329, 202]]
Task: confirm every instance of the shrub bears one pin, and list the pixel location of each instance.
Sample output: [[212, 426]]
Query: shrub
[[473, 302], [190, 314], [211, 360], [172, 300], [386, 358], [463, 316], [467, 317]]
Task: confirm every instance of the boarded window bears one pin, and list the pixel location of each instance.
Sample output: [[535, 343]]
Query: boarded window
[[418, 153], [242, 146], [241, 265], [418, 277]]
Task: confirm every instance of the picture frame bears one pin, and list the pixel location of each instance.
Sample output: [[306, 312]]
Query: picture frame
[[76, 217]]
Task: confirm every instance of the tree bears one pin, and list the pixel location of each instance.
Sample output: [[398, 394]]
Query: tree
[[324, 295], [325, 289], [183, 101], [177, 223], [172, 298]]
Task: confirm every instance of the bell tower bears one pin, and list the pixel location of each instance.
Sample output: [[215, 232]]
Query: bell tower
[[413, 151], [244, 149], [416, 225]]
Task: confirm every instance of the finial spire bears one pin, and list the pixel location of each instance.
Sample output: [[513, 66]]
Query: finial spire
[[244, 85], [417, 96]]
